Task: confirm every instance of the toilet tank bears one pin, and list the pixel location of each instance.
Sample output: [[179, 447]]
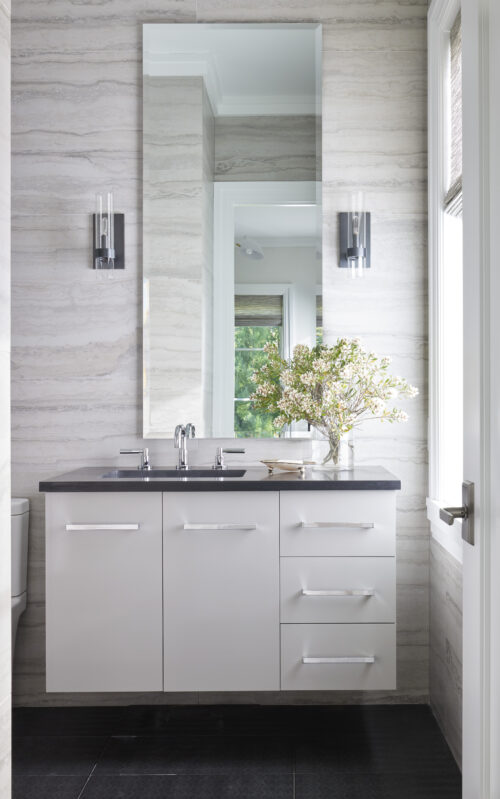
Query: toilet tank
[[20, 514]]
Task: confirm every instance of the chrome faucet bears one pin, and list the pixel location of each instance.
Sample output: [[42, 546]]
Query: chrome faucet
[[144, 453], [219, 456], [181, 435]]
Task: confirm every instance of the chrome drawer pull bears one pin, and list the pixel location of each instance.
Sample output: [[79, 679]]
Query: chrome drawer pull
[[251, 526], [339, 592], [350, 525], [102, 527], [356, 659]]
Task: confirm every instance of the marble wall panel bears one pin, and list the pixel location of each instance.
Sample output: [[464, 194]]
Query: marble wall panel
[[446, 645], [77, 360], [265, 148], [178, 146], [5, 487]]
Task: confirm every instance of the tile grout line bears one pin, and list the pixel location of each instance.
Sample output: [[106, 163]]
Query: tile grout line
[[94, 767], [87, 781]]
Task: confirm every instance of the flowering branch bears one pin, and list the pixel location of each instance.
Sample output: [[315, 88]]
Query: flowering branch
[[332, 388]]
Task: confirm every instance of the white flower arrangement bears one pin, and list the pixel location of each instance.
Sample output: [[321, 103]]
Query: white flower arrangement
[[334, 389]]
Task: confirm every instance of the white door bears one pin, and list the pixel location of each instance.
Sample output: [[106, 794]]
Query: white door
[[481, 369], [481, 81]]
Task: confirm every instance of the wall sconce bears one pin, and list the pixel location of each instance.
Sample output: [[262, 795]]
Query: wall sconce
[[355, 239], [108, 235]]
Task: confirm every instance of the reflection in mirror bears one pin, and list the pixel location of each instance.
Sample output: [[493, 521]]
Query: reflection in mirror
[[232, 217]]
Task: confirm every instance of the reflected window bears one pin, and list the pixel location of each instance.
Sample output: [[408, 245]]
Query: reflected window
[[257, 319]]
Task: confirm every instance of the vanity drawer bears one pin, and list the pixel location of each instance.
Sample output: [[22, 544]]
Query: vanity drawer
[[356, 657], [343, 590], [337, 523]]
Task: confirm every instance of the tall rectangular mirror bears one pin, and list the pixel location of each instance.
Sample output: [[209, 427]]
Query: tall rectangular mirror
[[231, 217]]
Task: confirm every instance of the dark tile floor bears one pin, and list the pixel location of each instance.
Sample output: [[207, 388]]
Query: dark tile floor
[[377, 752]]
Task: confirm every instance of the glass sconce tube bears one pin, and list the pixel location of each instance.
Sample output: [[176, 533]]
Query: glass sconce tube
[[104, 233], [355, 238]]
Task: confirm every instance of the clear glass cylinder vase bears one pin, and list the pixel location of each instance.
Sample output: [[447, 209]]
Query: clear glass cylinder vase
[[333, 452]]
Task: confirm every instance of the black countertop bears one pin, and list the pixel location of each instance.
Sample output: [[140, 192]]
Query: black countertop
[[363, 478]]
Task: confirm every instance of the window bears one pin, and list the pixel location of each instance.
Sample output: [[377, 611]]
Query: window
[[445, 268], [257, 319]]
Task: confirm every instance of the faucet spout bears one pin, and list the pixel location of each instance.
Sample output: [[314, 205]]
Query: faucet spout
[[182, 433]]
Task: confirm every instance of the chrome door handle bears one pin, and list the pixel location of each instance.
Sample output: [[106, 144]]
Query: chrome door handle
[[348, 659], [242, 527], [351, 525], [71, 527], [464, 512], [339, 592], [449, 515]]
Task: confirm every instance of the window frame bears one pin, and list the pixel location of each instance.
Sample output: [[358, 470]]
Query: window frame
[[441, 17]]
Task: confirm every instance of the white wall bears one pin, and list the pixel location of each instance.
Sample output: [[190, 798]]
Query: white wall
[[5, 612]]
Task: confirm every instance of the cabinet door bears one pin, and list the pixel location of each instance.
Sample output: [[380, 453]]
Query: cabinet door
[[104, 592], [221, 590]]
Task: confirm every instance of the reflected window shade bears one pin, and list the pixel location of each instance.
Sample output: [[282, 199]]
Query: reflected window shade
[[453, 199], [319, 310], [258, 310]]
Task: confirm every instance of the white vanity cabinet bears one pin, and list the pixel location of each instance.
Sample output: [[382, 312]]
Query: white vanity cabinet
[[338, 590], [104, 592], [221, 591]]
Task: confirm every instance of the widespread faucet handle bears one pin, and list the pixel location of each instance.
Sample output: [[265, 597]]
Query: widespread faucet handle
[[219, 455], [144, 453]]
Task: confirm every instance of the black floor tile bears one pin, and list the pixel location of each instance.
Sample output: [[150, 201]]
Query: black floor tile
[[377, 786], [195, 755], [47, 787], [71, 720], [65, 755], [190, 787]]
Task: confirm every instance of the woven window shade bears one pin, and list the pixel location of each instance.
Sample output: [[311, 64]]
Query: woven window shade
[[453, 199], [254, 310]]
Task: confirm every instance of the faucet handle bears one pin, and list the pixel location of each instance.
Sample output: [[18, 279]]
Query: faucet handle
[[219, 455], [144, 453]]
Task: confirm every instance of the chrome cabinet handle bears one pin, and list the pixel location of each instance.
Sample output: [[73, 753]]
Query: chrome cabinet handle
[[339, 592], [347, 659], [352, 525], [70, 527], [251, 526]]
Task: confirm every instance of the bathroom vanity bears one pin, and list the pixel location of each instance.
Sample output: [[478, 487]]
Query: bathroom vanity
[[218, 583]]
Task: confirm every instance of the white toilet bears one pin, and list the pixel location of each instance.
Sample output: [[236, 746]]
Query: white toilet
[[20, 514]]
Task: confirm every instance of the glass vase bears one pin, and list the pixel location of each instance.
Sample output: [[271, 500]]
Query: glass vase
[[334, 452]]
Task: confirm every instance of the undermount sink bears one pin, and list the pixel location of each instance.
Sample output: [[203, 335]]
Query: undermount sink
[[123, 474]]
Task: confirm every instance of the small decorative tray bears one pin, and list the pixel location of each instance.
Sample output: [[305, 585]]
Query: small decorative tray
[[287, 466]]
